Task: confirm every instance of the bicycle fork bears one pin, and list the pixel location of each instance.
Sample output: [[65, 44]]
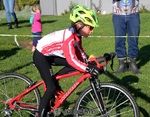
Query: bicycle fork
[[96, 88]]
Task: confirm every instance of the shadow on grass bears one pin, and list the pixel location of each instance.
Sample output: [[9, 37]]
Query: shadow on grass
[[20, 22], [126, 81], [19, 67], [4, 54], [144, 56], [65, 111]]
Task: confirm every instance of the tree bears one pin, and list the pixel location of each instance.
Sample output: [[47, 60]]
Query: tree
[[21, 3], [1, 5]]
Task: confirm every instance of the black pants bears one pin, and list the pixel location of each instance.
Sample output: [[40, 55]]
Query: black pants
[[43, 64]]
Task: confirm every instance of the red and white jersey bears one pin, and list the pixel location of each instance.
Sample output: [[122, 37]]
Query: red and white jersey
[[65, 44]]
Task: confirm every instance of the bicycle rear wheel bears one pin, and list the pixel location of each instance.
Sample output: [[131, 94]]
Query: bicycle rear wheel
[[117, 100], [11, 85]]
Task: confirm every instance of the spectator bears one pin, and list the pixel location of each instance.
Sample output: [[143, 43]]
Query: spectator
[[9, 7], [36, 23], [126, 21]]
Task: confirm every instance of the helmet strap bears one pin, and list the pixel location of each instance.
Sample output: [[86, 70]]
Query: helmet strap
[[79, 28]]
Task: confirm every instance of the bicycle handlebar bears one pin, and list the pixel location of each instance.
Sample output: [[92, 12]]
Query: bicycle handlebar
[[105, 58]]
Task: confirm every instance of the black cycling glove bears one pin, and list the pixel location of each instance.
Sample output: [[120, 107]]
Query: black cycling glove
[[93, 70]]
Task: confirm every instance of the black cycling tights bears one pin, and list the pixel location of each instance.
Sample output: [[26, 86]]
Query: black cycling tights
[[43, 64]]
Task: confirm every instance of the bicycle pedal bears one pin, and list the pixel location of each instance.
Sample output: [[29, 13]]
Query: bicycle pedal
[[58, 95]]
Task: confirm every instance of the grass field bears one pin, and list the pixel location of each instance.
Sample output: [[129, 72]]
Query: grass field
[[15, 58]]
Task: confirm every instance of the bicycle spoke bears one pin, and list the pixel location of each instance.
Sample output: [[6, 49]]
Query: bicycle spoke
[[12, 85], [95, 102], [117, 101]]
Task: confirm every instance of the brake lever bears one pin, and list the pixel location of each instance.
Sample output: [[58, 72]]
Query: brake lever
[[111, 65], [113, 54], [112, 60]]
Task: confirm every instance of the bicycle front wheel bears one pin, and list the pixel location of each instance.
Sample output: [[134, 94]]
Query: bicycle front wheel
[[11, 85], [117, 101]]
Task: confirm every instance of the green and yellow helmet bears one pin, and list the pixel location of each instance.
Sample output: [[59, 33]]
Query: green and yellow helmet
[[85, 15]]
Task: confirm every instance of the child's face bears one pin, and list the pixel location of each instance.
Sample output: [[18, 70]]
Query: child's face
[[86, 31], [36, 9]]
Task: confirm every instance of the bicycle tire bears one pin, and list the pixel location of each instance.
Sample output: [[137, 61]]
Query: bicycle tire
[[117, 100], [12, 84]]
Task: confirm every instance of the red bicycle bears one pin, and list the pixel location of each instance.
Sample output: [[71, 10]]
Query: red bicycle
[[20, 96]]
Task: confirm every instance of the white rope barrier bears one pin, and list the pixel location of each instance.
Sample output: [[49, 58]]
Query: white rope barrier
[[16, 41], [120, 36], [8, 35], [15, 37]]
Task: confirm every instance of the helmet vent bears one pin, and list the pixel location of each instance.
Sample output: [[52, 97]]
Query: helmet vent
[[81, 12], [88, 20], [94, 17]]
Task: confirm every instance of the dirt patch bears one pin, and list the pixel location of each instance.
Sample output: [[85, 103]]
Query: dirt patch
[[27, 44]]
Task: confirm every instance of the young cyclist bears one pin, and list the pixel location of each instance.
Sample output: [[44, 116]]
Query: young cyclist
[[64, 48]]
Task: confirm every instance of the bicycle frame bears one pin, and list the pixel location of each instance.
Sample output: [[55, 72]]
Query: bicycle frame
[[35, 85]]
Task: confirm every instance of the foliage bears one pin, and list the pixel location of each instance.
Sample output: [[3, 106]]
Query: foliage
[[22, 3], [72, 4], [98, 8], [1, 5], [143, 9]]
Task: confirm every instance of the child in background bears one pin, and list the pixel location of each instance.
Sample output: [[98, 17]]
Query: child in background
[[35, 21]]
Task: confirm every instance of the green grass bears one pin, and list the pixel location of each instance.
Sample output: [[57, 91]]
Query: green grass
[[17, 59]]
